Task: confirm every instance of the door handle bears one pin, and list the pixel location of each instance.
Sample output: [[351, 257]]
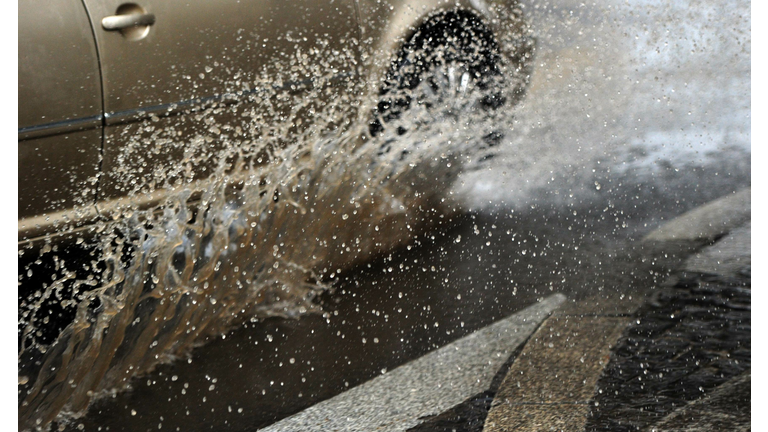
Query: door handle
[[121, 22]]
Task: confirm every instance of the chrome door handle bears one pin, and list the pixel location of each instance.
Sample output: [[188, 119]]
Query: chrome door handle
[[120, 22]]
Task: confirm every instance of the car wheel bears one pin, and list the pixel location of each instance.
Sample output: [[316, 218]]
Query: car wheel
[[449, 67]]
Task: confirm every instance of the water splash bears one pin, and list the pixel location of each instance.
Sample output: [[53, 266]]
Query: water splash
[[293, 195], [632, 101]]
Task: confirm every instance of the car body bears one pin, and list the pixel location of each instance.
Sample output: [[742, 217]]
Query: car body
[[85, 88]]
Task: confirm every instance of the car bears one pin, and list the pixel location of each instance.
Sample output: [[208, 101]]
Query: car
[[91, 71], [142, 127]]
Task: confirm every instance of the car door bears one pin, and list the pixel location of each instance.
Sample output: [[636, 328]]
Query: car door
[[60, 116], [194, 53]]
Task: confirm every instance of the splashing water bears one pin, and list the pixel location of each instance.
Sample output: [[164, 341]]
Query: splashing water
[[631, 101], [287, 203]]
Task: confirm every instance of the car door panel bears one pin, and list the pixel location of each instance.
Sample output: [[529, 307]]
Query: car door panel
[[57, 182], [60, 115], [200, 54]]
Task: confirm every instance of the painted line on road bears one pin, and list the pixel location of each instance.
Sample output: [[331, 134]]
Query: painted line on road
[[709, 221], [728, 257], [429, 385], [551, 382]]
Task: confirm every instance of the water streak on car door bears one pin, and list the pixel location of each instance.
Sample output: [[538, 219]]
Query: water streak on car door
[[194, 54]]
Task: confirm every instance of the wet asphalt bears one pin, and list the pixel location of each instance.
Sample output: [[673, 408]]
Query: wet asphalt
[[471, 271]]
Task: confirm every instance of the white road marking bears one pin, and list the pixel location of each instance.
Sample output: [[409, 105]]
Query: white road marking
[[428, 385]]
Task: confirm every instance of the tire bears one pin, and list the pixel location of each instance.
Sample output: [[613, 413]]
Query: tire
[[451, 64]]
